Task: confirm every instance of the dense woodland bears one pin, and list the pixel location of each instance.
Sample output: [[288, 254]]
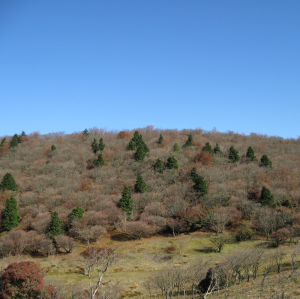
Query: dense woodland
[[57, 188]]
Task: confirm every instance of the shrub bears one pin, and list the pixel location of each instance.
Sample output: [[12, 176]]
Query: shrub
[[176, 148], [207, 148], [205, 158]]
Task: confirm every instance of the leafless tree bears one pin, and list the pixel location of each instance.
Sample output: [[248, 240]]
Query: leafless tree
[[137, 229], [99, 259], [64, 242]]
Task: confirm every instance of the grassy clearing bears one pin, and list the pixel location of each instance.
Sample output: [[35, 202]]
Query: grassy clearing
[[140, 258]]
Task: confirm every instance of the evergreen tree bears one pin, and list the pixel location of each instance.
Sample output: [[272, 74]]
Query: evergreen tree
[[23, 134], [2, 142], [126, 203], [53, 147], [208, 148], [172, 162], [137, 138], [10, 216], [194, 174], [101, 144], [265, 161], [158, 166], [140, 153], [100, 161], [160, 139], [76, 213], [266, 197], [189, 142], [85, 133], [217, 150], [250, 154], [15, 141], [176, 148], [55, 226], [200, 185], [140, 185], [8, 183], [131, 146], [95, 146], [234, 155]]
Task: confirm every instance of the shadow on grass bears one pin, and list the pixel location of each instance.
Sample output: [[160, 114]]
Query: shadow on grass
[[206, 250], [120, 237]]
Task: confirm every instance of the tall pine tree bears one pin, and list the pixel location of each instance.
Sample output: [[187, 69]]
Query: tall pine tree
[[217, 150], [234, 155], [140, 185], [101, 144], [100, 161], [160, 139], [140, 153], [126, 202], [189, 142], [15, 141], [176, 148], [55, 228], [266, 197], [250, 154], [95, 146], [8, 183], [172, 162], [265, 161], [208, 148], [10, 215], [158, 166]]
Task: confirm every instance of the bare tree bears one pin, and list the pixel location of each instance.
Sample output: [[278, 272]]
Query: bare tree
[[64, 242], [99, 259], [219, 242]]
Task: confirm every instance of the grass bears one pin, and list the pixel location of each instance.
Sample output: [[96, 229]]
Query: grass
[[140, 258]]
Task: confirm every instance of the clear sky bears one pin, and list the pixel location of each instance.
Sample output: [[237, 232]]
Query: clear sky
[[120, 64]]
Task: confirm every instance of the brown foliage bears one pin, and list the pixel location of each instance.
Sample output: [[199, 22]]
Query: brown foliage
[[137, 229], [123, 134], [205, 158]]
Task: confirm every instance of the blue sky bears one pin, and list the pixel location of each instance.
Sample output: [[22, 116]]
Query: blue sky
[[71, 65]]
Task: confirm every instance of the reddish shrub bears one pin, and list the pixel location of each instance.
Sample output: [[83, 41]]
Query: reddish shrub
[[169, 249], [205, 158], [123, 134]]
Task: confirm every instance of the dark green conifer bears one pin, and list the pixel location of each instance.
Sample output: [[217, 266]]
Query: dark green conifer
[[100, 161], [95, 146], [8, 183], [172, 162], [194, 174], [137, 138], [2, 142], [208, 148], [217, 149], [265, 161], [266, 197], [53, 147], [85, 133], [15, 141], [189, 142], [126, 202], [158, 166], [160, 139], [10, 215], [55, 226], [131, 146], [101, 144], [140, 153], [200, 185], [176, 148], [234, 155], [250, 154], [140, 185], [77, 213]]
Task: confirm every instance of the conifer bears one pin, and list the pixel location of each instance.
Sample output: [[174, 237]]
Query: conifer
[[95, 146], [2, 142], [160, 139], [208, 148], [55, 226], [77, 213], [53, 147], [140, 153], [265, 161], [8, 183], [250, 154], [194, 174], [266, 197], [100, 161], [234, 155], [189, 142], [176, 148], [217, 150], [131, 146], [172, 162], [200, 185], [85, 133], [158, 166], [10, 216], [140, 185], [101, 144], [15, 141], [126, 202]]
